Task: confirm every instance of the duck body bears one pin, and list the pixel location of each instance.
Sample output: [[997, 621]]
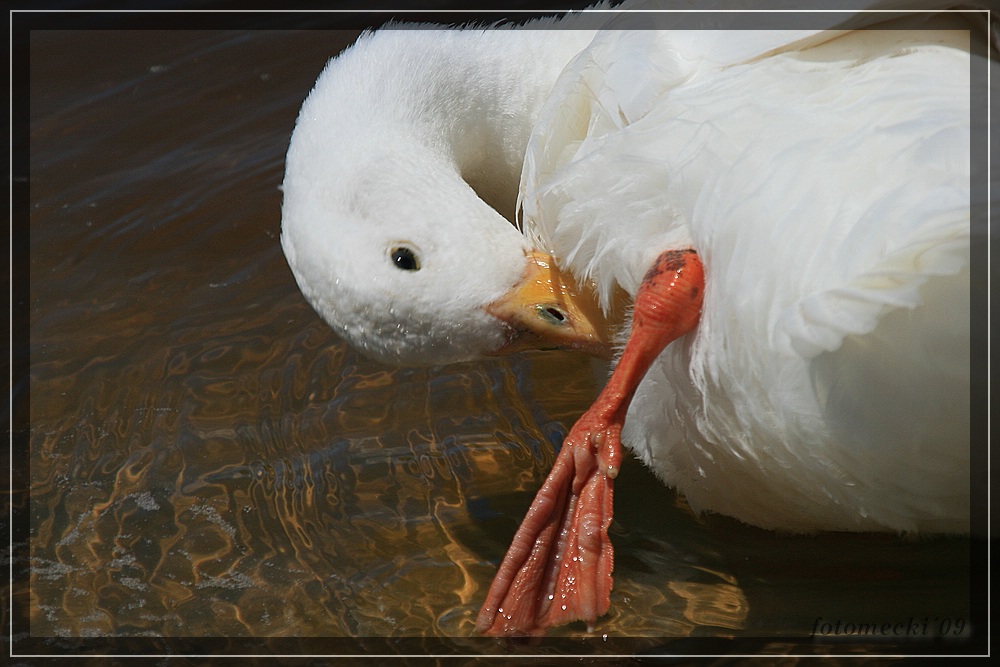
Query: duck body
[[826, 188], [822, 177]]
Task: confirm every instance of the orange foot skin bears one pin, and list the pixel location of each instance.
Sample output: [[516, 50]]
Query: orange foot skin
[[558, 568]]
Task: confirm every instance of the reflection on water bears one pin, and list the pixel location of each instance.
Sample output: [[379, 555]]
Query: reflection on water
[[207, 459]]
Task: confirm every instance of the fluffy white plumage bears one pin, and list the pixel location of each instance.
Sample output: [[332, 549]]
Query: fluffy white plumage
[[823, 178], [826, 186]]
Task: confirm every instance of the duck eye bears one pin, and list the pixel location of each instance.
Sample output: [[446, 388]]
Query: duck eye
[[405, 259]]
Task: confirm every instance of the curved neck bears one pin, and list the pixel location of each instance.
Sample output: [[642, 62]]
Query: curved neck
[[471, 96]]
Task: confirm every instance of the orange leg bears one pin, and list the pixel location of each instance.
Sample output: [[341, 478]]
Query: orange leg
[[558, 567]]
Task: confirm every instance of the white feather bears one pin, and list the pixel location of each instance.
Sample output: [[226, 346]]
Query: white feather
[[824, 178]]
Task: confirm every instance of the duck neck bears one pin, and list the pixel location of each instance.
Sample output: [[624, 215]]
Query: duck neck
[[471, 96]]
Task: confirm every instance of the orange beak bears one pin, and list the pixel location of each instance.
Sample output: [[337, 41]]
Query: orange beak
[[547, 309]]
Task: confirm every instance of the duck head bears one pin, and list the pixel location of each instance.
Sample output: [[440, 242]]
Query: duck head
[[406, 262]]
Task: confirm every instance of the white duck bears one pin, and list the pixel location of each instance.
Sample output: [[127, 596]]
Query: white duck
[[822, 178]]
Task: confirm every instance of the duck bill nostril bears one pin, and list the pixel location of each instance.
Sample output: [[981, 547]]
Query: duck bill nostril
[[552, 315], [547, 309]]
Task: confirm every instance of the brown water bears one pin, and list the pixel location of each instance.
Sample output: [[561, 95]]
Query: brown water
[[208, 460]]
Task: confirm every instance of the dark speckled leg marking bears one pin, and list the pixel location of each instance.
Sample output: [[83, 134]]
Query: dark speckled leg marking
[[672, 261]]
